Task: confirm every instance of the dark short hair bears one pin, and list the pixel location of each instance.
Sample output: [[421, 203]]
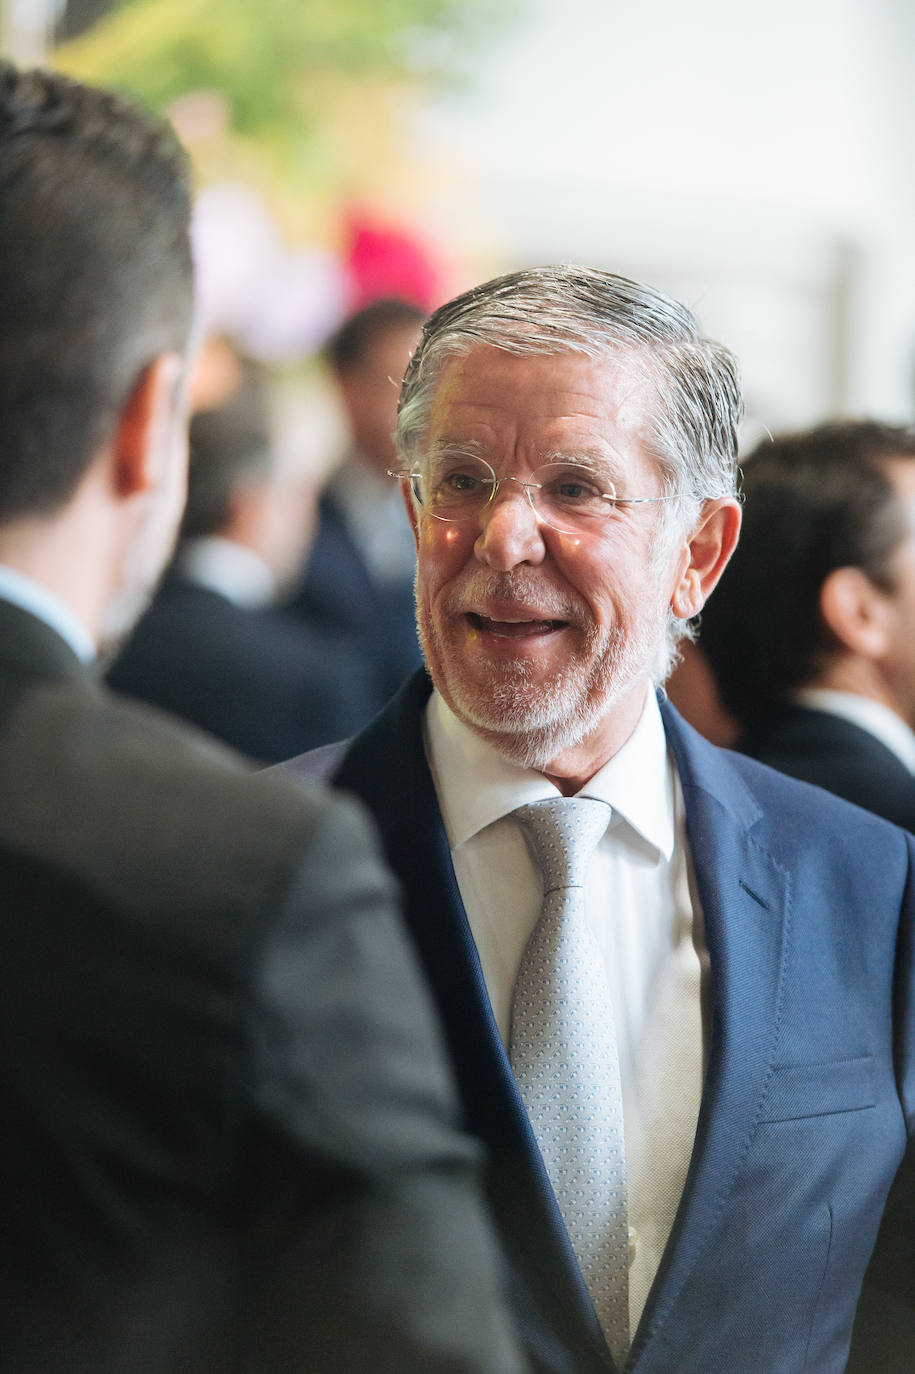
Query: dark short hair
[[95, 274], [814, 501], [355, 338], [229, 445]]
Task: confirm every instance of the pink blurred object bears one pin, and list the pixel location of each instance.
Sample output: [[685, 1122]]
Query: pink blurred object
[[384, 260]]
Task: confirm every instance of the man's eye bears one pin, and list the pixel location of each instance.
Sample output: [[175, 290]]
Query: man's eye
[[574, 488], [574, 491], [461, 483]]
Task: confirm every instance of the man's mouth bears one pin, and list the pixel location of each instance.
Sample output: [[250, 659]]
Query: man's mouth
[[515, 627]]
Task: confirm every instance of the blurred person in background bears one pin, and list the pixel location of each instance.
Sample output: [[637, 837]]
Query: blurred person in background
[[678, 987], [228, 1139], [359, 577], [811, 635], [211, 647]]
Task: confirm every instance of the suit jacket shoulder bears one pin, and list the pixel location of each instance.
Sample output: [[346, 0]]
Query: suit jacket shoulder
[[838, 755], [261, 680], [229, 1139]]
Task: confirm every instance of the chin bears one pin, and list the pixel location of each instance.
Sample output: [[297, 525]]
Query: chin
[[532, 722]]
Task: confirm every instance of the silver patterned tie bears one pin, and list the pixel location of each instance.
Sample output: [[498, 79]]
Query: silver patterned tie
[[564, 1056]]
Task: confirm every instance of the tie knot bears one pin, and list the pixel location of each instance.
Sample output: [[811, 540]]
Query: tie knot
[[562, 835]]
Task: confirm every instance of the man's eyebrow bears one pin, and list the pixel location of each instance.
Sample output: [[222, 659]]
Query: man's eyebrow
[[601, 459], [455, 448]]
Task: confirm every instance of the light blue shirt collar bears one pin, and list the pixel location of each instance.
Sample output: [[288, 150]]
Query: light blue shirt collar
[[23, 591]]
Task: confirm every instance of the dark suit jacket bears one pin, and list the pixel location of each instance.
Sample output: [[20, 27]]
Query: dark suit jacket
[[226, 1139], [256, 679], [834, 753], [810, 1088], [376, 620]]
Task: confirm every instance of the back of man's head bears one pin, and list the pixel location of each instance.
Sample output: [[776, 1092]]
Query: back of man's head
[[96, 280], [368, 355], [352, 343], [815, 502], [230, 447]]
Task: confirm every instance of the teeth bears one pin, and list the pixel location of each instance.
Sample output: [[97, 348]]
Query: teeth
[[511, 620]]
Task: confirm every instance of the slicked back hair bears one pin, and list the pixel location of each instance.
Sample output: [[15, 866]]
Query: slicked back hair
[[230, 446], [813, 501], [95, 274], [691, 427]]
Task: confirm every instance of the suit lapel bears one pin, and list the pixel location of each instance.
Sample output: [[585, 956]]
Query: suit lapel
[[402, 797], [745, 899]]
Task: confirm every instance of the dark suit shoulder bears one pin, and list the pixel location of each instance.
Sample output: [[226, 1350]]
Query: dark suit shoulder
[[150, 816], [266, 682], [794, 820], [837, 754]]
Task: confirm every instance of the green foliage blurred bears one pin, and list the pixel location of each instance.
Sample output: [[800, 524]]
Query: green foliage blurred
[[260, 53]]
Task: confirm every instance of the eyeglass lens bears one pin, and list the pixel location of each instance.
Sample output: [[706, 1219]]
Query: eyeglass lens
[[565, 495]]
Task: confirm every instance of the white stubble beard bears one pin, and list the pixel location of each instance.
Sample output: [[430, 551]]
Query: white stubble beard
[[531, 723]]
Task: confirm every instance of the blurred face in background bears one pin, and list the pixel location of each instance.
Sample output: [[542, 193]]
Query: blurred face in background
[[898, 605], [370, 388]]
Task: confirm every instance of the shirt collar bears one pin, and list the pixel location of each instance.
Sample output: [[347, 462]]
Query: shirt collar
[[878, 720], [29, 595], [234, 571], [477, 786]]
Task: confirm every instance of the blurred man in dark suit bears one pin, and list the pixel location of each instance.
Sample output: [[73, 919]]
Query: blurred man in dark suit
[[811, 635], [212, 647], [359, 578], [227, 1139]]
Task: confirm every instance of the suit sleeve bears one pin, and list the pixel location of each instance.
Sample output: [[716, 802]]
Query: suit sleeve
[[369, 1245], [884, 1334]]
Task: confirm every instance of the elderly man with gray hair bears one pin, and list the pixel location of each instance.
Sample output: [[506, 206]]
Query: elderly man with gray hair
[[677, 987]]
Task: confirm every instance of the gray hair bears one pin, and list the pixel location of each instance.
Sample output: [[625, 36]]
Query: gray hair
[[691, 429]]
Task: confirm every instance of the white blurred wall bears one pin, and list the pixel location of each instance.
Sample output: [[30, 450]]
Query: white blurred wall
[[757, 161]]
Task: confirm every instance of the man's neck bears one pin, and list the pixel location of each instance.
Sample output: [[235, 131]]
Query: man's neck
[[19, 589], [573, 768], [48, 559], [861, 678]]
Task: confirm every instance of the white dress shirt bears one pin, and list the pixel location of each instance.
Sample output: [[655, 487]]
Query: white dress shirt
[[645, 914], [878, 720], [233, 570], [373, 509], [29, 595]]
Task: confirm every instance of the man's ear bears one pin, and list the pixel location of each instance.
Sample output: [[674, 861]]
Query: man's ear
[[147, 414], [406, 491], [704, 555], [856, 611]]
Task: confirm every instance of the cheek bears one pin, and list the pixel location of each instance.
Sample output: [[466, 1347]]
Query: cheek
[[444, 550]]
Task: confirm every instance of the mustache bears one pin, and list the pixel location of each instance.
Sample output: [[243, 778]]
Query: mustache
[[522, 585]]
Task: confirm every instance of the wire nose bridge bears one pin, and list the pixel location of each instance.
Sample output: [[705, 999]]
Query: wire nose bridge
[[528, 488]]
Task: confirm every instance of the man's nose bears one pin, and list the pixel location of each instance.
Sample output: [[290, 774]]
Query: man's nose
[[510, 532]]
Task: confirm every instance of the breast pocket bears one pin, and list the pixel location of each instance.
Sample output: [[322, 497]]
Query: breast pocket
[[797, 1091]]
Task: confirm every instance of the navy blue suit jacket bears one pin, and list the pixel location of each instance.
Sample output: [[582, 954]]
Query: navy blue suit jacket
[[258, 680], [834, 753], [376, 620], [809, 1097]]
